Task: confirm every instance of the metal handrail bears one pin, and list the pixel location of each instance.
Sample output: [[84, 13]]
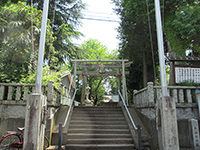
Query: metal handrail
[[67, 117], [138, 129], [127, 111], [69, 109]]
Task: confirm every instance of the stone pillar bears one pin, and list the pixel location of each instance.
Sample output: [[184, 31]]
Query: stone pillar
[[194, 134], [83, 89], [50, 92], [135, 99], [124, 83], [198, 100], [168, 127], [34, 122], [75, 69], [118, 81], [150, 92], [2, 89]]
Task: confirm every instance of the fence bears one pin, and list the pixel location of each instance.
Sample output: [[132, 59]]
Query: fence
[[21, 91], [148, 96]]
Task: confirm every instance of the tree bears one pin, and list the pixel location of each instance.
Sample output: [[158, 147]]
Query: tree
[[91, 50], [16, 40], [65, 18], [135, 44], [181, 25]]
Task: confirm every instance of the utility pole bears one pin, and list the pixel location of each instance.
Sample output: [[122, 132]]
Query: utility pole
[[36, 104], [167, 131]]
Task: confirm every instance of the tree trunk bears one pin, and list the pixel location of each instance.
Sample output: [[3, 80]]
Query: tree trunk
[[171, 71], [144, 69]]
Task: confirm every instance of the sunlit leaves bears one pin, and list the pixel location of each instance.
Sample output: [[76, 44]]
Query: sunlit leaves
[[16, 40]]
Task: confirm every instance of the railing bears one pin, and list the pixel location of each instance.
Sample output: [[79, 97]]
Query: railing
[[67, 93], [67, 116], [148, 96], [70, 107], [137, 128], [21, 91], [66, 119]]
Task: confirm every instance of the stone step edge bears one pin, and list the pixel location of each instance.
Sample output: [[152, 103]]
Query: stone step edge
[[99, 129], [71, 134], [54, 147], [97, 107], [100, 145], [100, 139], [98, 125]]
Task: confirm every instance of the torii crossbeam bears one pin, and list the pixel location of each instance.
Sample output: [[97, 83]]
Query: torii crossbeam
[[103, 69]]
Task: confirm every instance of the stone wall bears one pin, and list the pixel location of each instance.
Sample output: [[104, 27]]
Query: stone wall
[[145, 102], [147, 116], [12, 115]]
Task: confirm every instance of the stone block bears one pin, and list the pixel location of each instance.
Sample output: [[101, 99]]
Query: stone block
[[194, 134]]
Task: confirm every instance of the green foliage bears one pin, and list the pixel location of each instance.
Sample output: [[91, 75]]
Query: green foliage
[[65, 18], [135, 44], [182, 26], [189, 83], [48, 75], [91, 50], [16, 53], [113, 84], [17, 57]]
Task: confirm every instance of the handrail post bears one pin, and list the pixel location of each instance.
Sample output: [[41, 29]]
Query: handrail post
[[139, 138], [60, 137]]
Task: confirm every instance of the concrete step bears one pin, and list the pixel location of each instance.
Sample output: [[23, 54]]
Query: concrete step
[[86, 135], [83, 136], [96, 131], [55, 147], [97, 115], [109, 118], [107, 122], [99, 108], [100, 141], [100, 146], [96, 126]]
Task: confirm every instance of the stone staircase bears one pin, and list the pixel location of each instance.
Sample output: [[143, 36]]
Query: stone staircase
[[97, 128], [94, 128]]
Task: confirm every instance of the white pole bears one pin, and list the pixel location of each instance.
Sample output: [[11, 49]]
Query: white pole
[[161, 49], [41, 47]]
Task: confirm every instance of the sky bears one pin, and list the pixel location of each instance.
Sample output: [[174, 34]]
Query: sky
[[104, 31]]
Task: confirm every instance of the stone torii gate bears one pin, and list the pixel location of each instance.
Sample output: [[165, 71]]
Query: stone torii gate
[[102, 69]]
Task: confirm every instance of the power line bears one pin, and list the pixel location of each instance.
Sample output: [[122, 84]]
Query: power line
[[96, 19], [92, 12]]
